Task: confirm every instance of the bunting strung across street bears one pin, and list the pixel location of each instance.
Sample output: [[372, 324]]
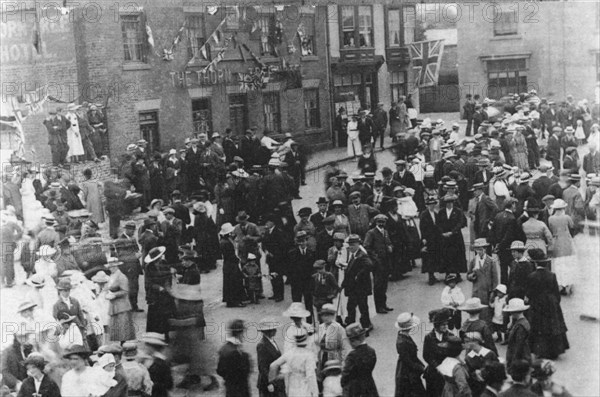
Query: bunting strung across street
[[216, 39], [168, 53], [212, 65], [426, 57]]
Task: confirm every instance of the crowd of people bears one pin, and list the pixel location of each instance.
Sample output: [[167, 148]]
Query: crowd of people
[[518, 184]]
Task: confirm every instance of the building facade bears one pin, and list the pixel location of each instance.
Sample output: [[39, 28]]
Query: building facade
[[551, 47]]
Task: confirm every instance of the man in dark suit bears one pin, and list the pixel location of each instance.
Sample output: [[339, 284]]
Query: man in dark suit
[[295, 161], [468, 112], [13, 370], [357, 282], [484, 175], [403, 176], [268, 351], [431, 239], [357, 373], [325, 238], [181, 211], [249, 147], [322, 213], [553, 148], [478, 117], [234, 363], [549, 118], [591, 161], [365, 128], [300, 262], [379, 247], [380, 120], [275, 245], [389, 184], [57, 130], [485, 211], [541, 185], [67, 195], [505, 230], [128, 252]]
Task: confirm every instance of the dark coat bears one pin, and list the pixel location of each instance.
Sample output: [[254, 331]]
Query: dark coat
[[47, 388], [317, 220], [324, 242], [434, 356], [553, 148], [518, 342], [357, 373], [300, 267], [232, 275], [181, 212], [13, 370], [408, 368], [591, 163], [207, 239], [518, 390], [485, 211], [483, 176], [406, 180], [388, 190], [517, 279], [160, 374], [505, 230], [432, 241], [60, 308], [357, 280], [484, 329], [234, 367], [454, 259], [277, 244], [377, 243], [541, 186], [266, 353]]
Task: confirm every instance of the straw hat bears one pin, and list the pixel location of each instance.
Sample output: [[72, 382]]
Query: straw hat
[[480, 243], [46, 250], [296, 309], [517, 246], [112, 262], [407, 321], [472, 305], [154, 254], [559, 204], [354, 331], [268, 324], [226, 228], [26, 306], [36, 281], [328, 308], [154, 339], [331, 365], [515, 305]]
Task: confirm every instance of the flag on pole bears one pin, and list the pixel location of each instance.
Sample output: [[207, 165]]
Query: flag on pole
[[150, 36], [426, 57]]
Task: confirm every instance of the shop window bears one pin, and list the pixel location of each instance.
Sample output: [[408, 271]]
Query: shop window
[[201, 115], [134, 38], [506, 76], [195, 30], [506, 23], [272, 112], [398, 85], [238, 113], [311, 108], [232, 17], [149, 129]]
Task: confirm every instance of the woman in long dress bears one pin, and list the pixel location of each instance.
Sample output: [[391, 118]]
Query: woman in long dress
[[548, 338], [121, 325], [92, 195], [563, 251], [518, 150], [536, 232], [74, 136], [33, 210], [233, 287]]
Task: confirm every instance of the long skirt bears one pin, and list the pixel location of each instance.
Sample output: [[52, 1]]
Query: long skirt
[[75, 143], [564, 267], [549, 346], [121, 327]]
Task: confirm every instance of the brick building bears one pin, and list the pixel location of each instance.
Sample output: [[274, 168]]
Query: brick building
[[552, 47]]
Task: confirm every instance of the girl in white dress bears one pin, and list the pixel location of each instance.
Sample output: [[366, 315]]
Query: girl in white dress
[[33, 210], [579, 133], [73, 135]]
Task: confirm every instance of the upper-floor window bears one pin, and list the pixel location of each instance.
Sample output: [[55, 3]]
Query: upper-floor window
[[195, 29], [266, 24], [357, 26], [134, 38], [307, 40], [401, 26], [505, 23]]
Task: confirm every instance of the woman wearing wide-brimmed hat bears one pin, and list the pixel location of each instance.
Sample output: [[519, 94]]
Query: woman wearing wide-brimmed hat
[[233, 286], [518, 333], [548, 328], [301, 367], [432, 354], [298, 314], [473, 308], [408, 367], [157, 279], [536, 232], [82, 380], [562, 227], [450, 221], [121, 320], [37, 381], [483, 274]]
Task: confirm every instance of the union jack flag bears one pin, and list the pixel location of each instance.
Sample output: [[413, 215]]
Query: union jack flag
[[426, 57]]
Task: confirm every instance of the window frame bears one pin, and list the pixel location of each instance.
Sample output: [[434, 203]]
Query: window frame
[[195, 123], [273, 123], [310, 33], [141, 37], [357, 27], [397, 84], [272, 20], [508, 27], [152, 145], [402, 28], [308, 116], [243, 104], [193, 51], [500, 72]]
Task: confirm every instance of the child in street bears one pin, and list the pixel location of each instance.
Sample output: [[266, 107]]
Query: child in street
[[497, 303], [325, 288], [253, 276], [452, 297], [332, 379]]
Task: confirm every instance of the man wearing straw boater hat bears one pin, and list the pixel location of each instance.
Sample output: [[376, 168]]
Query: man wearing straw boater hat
[[267, 351], [357, 373], [473, 308], [160, 367]]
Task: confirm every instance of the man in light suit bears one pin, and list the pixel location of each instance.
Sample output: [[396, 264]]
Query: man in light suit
[[359, 215], [379, 247]]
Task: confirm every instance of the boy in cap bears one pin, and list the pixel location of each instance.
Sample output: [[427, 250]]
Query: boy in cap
[[497, 304], [253, 276], [325, 287]]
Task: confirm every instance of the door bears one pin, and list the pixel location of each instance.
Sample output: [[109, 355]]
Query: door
[[149, 130], [238, 113], [202, 116]]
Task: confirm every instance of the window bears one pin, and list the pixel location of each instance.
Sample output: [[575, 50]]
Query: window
[[201, 115], [195, 28], [348, 26], [266, 24], [238, 114], [311, 109], [394, 39], [272, 111], [410, 22], [365, 26], [506, 23], [232, 17], [134, 38], [397, 85], [149, 130], [307, 37], [506, 76]]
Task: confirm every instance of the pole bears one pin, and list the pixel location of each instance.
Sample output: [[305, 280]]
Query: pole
[[329, 80]]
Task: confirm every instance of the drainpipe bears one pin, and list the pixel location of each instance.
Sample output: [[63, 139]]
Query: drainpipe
[[329, 79], [564, 61]]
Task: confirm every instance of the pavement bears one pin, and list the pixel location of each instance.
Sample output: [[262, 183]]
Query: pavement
[[577, 369]]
